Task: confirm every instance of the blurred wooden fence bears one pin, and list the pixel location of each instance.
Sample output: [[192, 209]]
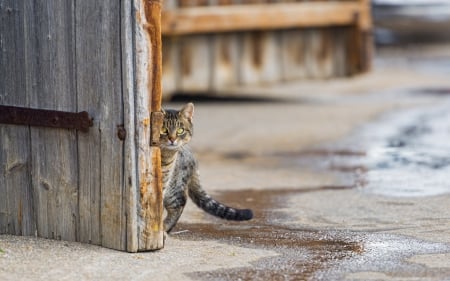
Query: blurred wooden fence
[[213, 45]]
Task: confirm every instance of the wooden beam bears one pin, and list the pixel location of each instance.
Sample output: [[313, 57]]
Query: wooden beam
[[148, 89], [209, 19]]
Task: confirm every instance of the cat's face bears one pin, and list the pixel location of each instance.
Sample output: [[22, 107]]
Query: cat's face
[[177, 127]]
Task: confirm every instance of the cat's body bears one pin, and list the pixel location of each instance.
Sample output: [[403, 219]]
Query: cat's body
[[180, 172]]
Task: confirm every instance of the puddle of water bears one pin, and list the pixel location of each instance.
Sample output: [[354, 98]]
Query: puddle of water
[[408, 153], [404, 154], [304, 254], [433, 91]]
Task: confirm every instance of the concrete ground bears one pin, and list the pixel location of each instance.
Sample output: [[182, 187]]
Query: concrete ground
[[310, 223]]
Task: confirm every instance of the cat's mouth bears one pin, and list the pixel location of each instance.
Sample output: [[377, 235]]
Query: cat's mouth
[[171, 145]]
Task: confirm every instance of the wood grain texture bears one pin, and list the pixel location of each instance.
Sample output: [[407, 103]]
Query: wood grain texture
[[130, 153], [150, 233], [101, 178], [50, 35], [16, 204]]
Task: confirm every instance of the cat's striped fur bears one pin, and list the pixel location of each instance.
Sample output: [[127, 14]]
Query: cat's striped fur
[[180, 171]]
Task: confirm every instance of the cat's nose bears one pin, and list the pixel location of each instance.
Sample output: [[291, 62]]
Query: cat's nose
[[172, 139]]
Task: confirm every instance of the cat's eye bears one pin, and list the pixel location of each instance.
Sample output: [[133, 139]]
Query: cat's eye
[[180, 131], [163, 131]]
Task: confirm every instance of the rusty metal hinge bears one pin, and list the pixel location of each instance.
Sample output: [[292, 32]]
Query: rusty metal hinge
[[156, 121], [45, 118]]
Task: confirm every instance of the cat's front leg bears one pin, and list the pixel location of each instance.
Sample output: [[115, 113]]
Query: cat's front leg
[[174, 203]]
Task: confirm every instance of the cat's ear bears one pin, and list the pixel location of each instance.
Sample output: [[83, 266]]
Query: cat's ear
[[188, 111]]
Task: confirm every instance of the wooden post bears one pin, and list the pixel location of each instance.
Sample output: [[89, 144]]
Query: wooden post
[[149, 61]]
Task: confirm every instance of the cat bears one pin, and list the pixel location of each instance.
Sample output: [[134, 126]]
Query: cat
[[180, 171]]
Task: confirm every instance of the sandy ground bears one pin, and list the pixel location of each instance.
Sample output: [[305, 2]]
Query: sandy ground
[[236, 143]]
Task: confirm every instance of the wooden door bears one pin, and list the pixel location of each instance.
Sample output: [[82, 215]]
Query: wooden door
[[100, 186]]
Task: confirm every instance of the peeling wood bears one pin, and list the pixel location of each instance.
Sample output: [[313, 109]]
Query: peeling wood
[[152, 10], [148, 75]]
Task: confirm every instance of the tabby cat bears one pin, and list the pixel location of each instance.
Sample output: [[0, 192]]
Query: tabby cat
[[180, 171]]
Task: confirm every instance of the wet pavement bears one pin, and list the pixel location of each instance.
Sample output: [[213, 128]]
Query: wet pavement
[[308, 254], [401, 154], [411, 156]]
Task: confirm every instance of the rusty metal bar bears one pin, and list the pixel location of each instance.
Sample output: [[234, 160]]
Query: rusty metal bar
[[45, 118]]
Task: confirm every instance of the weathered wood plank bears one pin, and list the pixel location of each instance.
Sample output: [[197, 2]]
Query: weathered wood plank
[[224, 61], [271, 55], [313, 50], [293, 54], [88, 44], [311, 47], [292, 48], [325, 54], [49, 37], [171, 66], [99, 74], [260, 53], [149, 219], [339, 51], [16, 205], [128, 88], [195, 56], [255, 17], [250, 50], [364, 26], [260, 58], [170, 58]]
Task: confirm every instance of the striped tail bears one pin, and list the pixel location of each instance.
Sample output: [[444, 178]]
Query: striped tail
[[217, 209]]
